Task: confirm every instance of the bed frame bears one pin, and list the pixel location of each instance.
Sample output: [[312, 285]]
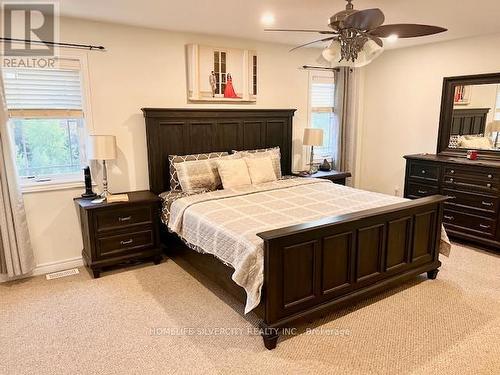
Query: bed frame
[[310, 268]]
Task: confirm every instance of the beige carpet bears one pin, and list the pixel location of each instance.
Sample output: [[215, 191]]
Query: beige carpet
[[125, 322]]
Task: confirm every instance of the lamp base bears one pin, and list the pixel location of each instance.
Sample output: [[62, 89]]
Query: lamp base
[[105, 194]]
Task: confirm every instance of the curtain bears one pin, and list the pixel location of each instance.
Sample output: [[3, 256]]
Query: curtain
[[16, 253], [345, 114]]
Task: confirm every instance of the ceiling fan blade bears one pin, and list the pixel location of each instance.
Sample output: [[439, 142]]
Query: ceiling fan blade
[[406, 30], [304, 31], [367, 19], [314, 41]]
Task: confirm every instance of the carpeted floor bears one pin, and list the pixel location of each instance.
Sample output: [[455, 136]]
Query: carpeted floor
[[162, 320]]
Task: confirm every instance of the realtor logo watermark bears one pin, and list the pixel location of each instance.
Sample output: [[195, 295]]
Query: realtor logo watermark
[[27, 27]]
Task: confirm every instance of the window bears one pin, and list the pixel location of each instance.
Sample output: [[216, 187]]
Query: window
[[322, 114], [220, 71], [46, 121]]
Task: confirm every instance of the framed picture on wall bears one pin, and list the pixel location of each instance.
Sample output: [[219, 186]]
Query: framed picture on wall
[[462, 95], [218, 74]]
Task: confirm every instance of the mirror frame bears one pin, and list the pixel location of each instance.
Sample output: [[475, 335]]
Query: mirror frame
[[445, 119]]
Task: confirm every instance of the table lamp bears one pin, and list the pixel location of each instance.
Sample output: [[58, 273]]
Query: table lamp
[[494, 126], [102, 147], [312, 137]]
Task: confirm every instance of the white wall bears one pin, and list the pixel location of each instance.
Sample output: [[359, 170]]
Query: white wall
[[401, 102], [146, 68]]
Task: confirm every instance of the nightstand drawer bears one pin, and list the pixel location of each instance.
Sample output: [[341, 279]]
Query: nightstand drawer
[[112, 245], [115, 219]]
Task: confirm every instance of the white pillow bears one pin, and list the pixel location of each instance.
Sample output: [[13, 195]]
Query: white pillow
[[260, 170], [233, 173], [475, 142], [273, 152]]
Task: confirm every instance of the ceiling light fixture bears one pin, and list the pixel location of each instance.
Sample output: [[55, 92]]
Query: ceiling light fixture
[[356, 35], [267, 19]]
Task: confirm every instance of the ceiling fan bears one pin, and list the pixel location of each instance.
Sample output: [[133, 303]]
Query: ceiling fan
[[356, 35]]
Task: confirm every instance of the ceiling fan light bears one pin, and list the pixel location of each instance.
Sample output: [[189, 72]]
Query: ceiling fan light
[[332, 53], [370, 52]]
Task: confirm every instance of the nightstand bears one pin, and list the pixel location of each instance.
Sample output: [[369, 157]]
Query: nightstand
[[334, 176], [120, 232]]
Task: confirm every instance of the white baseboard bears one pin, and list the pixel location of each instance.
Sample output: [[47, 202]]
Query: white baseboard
[[61, 265]]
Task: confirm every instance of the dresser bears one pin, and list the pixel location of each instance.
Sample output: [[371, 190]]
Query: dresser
[[473, 187], [116, 233]]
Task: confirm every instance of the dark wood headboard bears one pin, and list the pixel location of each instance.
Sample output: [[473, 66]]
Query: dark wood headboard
[[173, 131], [469, 121]]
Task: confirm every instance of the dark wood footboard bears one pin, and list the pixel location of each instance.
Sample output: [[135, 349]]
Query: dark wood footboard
[[313, 267]]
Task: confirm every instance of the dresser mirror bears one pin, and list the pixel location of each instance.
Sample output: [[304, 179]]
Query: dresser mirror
[[470, 116]]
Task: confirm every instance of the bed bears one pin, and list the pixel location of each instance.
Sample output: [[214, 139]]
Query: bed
[[334, 245]]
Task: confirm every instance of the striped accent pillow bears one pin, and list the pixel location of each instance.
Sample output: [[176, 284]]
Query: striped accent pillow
[[172, 159], [274, 153]]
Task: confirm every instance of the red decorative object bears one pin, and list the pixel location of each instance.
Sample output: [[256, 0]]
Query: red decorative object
[[229, 90], [472, 155]]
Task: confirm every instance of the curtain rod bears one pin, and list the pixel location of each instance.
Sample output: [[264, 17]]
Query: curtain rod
[[312, 67], [59, 44]]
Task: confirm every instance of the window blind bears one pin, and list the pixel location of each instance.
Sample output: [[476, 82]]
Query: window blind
[[43, 92], [322, 95]]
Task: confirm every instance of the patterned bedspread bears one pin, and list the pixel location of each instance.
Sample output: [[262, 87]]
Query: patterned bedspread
[[224, 223]]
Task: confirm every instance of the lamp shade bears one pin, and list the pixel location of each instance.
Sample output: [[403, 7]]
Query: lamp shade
[[313, 137], [101, 147]]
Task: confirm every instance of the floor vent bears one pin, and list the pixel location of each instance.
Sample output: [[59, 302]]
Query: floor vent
[[58, 275]]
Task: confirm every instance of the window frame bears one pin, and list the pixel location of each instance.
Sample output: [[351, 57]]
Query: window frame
[[68, 180], [311, 109]]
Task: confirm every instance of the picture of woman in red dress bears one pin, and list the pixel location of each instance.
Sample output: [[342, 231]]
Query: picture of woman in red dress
[[229, 90]]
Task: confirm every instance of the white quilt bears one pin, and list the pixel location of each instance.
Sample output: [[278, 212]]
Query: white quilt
[[224, 223]]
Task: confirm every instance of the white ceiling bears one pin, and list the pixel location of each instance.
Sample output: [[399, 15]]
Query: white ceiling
[[241, 18]]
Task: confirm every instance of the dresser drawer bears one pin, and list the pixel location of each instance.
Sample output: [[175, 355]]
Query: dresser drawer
[[124, 243], [416, 190], [115, 219], [483, 204], [470, 183], [424, 171], [477, 174], [477, 225]]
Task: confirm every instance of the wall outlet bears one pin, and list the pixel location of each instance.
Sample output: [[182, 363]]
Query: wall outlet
[[397, 191]]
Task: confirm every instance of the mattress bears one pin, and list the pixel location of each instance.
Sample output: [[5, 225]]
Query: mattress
[[225, 223]]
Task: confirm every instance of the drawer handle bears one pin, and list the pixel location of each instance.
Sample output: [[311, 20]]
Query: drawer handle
[[490, 176], [449, 217], [128, 242], [485, 226], [452, 171], [488, 185], [489, 204], [125, 218], [452, 197], [422, 191], [451, 180], [423, 171]]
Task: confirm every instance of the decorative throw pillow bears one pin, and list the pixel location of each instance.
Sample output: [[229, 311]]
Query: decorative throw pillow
[[172, 159], [453, 141], [260, 170], [273, 152], [197, 175], [233, 173]]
